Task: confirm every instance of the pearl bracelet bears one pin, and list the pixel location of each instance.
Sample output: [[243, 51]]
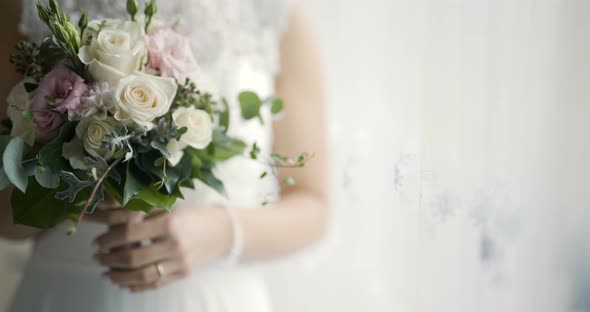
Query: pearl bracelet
[[235, 253]]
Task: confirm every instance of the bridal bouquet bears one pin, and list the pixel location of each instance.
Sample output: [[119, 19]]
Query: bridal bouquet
[[108, 106]]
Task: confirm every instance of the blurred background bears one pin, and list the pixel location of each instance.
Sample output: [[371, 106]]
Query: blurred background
[[459, 147]]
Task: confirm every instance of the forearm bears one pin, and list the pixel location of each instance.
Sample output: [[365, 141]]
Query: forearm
[[298, 220]]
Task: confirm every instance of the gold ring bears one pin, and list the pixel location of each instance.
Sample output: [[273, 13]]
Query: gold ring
[[160, 270]]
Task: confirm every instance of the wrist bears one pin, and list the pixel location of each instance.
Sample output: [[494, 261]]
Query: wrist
[[233, 236], [224, 232]]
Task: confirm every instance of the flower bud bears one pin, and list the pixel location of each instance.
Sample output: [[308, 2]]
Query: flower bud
[[43, 14], [83, 22], [151, 9], [54, 6], [132, 8]]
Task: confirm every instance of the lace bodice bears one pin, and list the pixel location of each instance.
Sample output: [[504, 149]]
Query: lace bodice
[[222, 31]]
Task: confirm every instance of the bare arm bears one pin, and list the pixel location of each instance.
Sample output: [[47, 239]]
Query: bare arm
[[10, 36], [299, 218]]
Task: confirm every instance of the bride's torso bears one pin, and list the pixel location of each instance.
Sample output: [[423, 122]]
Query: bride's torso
[[236, 43]]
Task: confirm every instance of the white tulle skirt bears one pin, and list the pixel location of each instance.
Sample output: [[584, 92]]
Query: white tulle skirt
[[61, 277]]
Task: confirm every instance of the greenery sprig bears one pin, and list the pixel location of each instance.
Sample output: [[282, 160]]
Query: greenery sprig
[[66, 36]]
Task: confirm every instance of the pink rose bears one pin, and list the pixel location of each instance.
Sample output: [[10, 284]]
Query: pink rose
[[170, 54], [65, 88]]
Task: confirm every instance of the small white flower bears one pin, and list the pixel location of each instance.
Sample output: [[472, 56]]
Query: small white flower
[[19, 103], [97, 103], [176, 150], [141, 98], [93, 132], [116, 50]]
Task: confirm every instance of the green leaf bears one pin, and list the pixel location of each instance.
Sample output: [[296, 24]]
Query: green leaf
[[50, 155], [263, 175], [207, 176], [277, 106], [46, 177], [133, 185], [12, 163], [113, 191], [39, 208], [250, 104], [153, 198], [222, 148], [254, 152], [177, 174], [139, 205], [278, 158], [224, 116]]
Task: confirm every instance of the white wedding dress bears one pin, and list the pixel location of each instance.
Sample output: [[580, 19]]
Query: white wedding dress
[[236, 43]]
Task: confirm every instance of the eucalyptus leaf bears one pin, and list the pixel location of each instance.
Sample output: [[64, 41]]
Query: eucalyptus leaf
[[12, 165], [250, 104], [46, 177], [277, 106]]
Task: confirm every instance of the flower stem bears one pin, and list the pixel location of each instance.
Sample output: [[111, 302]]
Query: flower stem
[[95, 189]]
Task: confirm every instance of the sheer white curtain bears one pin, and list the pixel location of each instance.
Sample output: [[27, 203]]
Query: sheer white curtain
[[460, 146]]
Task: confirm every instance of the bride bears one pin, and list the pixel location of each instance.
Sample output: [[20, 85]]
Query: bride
[[198, 254]]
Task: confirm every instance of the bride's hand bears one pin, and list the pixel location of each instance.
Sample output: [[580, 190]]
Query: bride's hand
[[180, 242]]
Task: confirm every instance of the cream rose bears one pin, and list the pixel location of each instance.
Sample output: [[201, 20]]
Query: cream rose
[[199, 126], [199, 132], [93, 132], [142, 98], [19, 104], [116, 50]]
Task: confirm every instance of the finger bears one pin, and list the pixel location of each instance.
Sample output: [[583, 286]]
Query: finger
[[157, 284], [153, 227], [144, 276], [109, 203], [115, 216], [131, 258]]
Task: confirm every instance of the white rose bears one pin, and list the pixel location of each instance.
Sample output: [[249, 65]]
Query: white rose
[[19, 104], [142, 98], [198, 124], [116, 50], [93, 132]]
